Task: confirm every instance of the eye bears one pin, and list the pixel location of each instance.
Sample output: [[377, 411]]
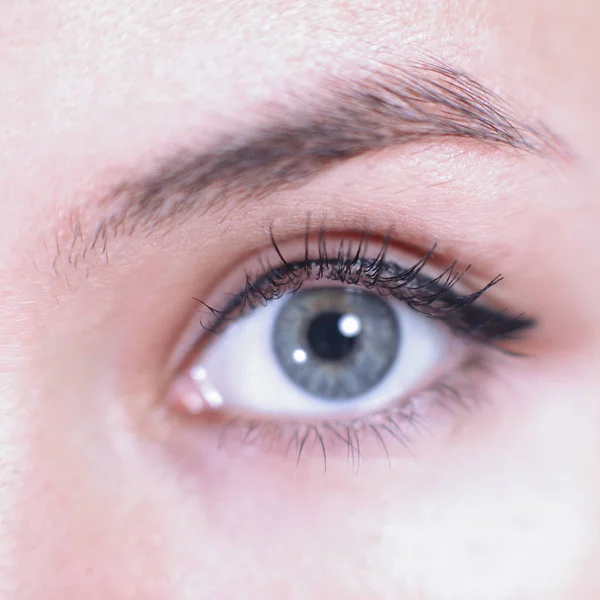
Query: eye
[[323, 351], [334, 340]]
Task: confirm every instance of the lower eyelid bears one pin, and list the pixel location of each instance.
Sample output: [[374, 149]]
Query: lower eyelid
[[402, 430]]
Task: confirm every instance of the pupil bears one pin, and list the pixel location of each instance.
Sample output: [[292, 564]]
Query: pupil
[[326, 338]]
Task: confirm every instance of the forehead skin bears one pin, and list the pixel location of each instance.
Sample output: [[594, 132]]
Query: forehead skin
[[89, 90]]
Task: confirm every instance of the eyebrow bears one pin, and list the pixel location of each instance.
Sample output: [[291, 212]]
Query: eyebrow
[[378, 108]]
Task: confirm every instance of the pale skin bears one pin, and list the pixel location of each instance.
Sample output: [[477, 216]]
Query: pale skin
[[104, 493]]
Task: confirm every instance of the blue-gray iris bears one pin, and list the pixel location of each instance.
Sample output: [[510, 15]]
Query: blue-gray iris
[[336, 343]]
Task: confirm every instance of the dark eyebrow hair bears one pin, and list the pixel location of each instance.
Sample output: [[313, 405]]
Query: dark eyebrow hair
[[378, 108]]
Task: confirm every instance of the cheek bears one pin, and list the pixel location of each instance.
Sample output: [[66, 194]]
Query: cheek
[[514, 508], [507, 510], [507, 536], [85, 528]]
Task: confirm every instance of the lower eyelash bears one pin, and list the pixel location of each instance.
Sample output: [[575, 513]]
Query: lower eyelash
[[397, 424]]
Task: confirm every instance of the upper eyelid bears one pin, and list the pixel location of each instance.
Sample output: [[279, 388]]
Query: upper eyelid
[[486, 322]]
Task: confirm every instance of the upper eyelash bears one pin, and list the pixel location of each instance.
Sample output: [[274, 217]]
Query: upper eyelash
[[433, 297]]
